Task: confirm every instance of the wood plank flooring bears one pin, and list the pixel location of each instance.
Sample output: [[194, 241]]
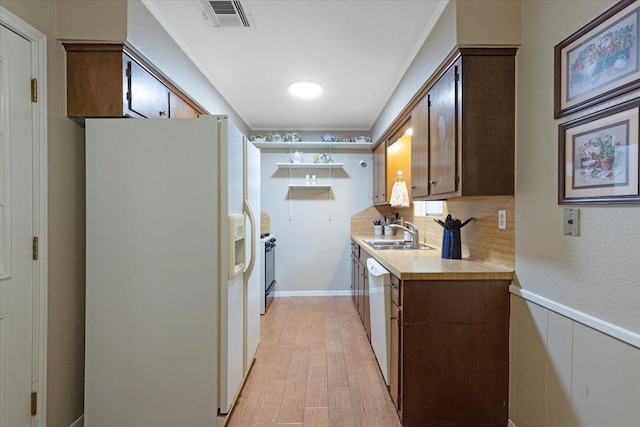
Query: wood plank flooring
[[314, 367]]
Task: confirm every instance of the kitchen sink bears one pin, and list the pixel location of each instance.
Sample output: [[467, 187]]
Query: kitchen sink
[[394, 244]]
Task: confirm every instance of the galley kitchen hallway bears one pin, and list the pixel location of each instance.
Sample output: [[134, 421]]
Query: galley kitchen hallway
[[314, 367]]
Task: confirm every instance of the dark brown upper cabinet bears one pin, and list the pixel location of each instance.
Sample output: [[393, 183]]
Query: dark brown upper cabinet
[[112, 80], [463, 121]]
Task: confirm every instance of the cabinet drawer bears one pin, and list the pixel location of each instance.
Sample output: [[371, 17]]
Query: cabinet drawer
[[395, 290]]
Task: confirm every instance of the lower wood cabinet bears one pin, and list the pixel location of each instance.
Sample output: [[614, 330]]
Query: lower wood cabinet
[[360, 285], [395, 357], [450, 352]]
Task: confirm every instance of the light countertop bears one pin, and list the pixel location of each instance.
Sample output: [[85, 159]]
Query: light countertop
[[426, 264]]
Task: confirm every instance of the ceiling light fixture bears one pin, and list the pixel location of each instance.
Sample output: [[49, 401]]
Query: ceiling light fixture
[[305, 89]]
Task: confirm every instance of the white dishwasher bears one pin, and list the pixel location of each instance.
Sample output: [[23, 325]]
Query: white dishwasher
[[379, 295]]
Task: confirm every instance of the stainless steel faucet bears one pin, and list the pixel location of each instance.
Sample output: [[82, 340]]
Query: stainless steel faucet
[[413, 232]]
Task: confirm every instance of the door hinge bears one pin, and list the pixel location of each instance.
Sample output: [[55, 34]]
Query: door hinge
[[35, 248], [34, 403], [34, 90]]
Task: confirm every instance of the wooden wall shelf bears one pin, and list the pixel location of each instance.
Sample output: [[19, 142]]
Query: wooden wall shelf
[[310, 165], [315, 145]]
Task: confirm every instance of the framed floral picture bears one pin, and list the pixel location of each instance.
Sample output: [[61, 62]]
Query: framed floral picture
[[599, 61], [598, 157]]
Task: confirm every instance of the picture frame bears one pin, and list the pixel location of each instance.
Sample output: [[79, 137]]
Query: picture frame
[[598, 157], [598, 62]]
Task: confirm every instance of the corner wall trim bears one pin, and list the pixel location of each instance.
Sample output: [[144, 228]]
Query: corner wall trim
[[79, 422], [345, 293], [617, 332]]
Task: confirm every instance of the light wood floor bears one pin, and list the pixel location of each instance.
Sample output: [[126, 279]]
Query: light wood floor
[[314, 367]]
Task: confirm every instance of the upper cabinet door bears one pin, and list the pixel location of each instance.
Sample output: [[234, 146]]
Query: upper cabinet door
[[420, 149], [179, 109], [380, 175], [443, 133], [147, 95]]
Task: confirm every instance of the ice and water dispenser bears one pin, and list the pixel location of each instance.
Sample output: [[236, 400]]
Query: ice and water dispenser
[[237, 249]]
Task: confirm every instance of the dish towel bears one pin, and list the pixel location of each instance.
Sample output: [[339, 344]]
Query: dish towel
[[399, 195]]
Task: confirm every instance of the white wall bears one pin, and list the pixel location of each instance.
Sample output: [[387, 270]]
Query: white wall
[[456, 25], [598, 272], [565, 373], [66, 207], [313, 233], [436, 47], [146, 34]]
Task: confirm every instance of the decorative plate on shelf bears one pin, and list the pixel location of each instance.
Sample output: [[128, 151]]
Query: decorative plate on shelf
[[328, 138]]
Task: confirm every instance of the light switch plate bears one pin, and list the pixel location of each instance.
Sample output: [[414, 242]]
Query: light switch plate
[[502, 219], [571, 224]]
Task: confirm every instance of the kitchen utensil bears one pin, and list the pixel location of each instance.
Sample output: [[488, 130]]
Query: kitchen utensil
[[452, 223]]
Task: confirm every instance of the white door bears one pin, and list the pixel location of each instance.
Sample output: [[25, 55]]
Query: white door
[[232, 290], [16, 231], [252, 310]]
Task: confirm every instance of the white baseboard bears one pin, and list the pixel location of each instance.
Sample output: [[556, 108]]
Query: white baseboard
[[510, 424], [79, 422], [344, 293], [622, 334]]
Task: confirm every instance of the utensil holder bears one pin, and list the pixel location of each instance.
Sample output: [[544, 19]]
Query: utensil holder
[[389, 231], [451, 246], [377, 230]]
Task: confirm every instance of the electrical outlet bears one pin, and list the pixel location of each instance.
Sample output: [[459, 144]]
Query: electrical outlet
[[502, 219], [571, 223]]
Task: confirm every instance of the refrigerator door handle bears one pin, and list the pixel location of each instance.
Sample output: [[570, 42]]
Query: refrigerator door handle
[[249, 269]]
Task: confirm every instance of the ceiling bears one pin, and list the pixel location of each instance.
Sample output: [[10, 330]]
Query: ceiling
[[357, 50]]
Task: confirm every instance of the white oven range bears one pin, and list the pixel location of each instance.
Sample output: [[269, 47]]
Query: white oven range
[[267, 251]]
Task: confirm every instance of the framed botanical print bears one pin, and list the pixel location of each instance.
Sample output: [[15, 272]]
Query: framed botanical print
[[599, 61], [598, 157]]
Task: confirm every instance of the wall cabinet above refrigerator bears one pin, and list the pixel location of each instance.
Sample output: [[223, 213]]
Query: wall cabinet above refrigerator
[[112, 80]]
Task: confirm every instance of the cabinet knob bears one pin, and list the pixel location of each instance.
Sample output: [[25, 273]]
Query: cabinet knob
[[433, 182], [162, 113], [413, 188]]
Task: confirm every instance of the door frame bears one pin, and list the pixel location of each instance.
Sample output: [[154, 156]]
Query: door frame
[[38, 42]]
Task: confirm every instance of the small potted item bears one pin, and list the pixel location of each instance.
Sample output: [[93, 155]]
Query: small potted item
[[377, 227]]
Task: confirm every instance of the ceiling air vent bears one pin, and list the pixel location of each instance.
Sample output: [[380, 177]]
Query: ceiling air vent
[[227, 14]]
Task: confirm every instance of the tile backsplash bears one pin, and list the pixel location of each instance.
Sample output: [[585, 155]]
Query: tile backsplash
[[481, 238]]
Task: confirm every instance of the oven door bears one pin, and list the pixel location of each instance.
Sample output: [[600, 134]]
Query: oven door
[[269, 272]]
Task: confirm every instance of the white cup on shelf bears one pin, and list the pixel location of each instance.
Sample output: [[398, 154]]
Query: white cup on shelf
[[296, 157]]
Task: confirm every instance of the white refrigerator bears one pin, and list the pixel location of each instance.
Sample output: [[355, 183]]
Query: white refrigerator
[[172, 323]]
